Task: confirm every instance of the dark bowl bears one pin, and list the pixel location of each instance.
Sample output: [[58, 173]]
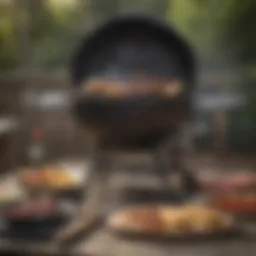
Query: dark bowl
[[30, 222]]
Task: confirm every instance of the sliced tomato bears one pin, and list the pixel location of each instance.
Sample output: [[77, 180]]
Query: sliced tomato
[[245, 205]]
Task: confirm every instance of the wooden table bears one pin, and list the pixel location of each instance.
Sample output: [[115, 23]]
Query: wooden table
[[104, 243], [101, 242]]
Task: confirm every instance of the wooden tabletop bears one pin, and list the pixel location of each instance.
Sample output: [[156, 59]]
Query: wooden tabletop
[[103, 243]]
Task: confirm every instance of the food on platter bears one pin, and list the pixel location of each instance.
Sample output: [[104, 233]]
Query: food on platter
[[171, 220], [141, 219], [47, 177], [104, 87], [57, 177], [238, 181], [236, 202], [114, 88], [174, 219], [31, 178], [173, 89], [203, 219], [234, 193]]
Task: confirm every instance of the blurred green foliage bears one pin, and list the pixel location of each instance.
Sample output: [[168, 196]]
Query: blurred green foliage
[[54, 35], [215, 27], [219, 27], [51, 29], [221, 30], [240, 30], [8, 49]]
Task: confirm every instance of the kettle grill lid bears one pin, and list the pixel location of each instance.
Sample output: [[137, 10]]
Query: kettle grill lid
[[120, 26]]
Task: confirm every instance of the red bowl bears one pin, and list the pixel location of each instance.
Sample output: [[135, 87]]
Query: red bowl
[[32, 210], [236, 182], [237, 206]]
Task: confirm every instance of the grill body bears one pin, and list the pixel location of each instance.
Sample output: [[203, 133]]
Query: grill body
[[133, 49]]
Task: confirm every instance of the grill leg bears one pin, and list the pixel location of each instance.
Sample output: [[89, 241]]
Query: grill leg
[[169, 164], [161, 161]]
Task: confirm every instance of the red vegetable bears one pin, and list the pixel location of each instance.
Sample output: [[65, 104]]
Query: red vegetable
[[32, 209], [236, 182], [236, 205]]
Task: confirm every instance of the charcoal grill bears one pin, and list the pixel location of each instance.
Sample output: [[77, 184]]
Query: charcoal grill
[[142, 57], [133, 49]]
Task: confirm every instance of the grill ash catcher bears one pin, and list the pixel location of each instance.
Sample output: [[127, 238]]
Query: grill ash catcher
[[134, 79]]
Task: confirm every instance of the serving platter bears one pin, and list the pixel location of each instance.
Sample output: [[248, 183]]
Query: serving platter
[[57, 179], [148, 225]]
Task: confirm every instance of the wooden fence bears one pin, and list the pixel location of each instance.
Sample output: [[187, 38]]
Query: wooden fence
[[25, 99]]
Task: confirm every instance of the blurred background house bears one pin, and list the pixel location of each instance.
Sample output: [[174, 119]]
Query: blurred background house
[[37, 38]]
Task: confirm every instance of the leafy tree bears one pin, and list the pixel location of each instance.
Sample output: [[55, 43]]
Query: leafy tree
[[8, 50]]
